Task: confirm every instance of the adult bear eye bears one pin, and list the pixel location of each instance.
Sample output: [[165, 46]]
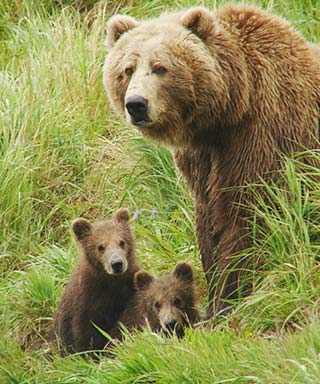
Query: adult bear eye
[[157, 305], [128, 71], [122, 244], [159, 70], [101, 248]]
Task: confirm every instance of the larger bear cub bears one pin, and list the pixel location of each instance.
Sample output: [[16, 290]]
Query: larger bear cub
[[230, 92], [101, 285]]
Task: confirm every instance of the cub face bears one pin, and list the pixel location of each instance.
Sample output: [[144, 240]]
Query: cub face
[[106, 243], [169, 299]]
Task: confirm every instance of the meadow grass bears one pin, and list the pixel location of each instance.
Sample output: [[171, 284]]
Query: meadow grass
[[63, 154]]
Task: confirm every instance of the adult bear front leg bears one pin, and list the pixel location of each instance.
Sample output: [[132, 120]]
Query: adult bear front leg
[[223, 268], [220, 236], [189, 163]]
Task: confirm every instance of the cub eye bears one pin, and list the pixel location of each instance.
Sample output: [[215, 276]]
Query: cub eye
[[157, 305], [128, 71], [159, 70], [122, 244], [101, 248], [177, 302]]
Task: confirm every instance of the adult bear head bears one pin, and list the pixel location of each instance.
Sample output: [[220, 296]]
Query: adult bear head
[[169, 77]]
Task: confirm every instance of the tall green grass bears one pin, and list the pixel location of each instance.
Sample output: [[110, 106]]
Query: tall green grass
[[287, 247], [64, 154]]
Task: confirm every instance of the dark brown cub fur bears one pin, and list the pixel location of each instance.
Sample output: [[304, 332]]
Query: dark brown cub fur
[[166, 303], [101, 285]]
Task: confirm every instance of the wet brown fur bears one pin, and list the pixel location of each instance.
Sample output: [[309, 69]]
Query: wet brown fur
[[242, 89], [92, 296]]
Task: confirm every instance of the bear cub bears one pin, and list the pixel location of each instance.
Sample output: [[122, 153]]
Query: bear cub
[[163, 304], [101, 285]]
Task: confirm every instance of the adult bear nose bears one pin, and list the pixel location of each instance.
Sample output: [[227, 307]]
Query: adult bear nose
[[137, 107]]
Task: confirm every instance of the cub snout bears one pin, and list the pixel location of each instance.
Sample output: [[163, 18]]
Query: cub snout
[[170, 325], [117, 266]]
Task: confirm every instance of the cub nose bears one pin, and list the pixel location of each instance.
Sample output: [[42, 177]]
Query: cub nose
[[170, 324], [117, 266], [137, 107]]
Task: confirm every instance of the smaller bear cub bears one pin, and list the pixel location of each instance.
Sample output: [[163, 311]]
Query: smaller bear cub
[[165, 303], [101, 285]]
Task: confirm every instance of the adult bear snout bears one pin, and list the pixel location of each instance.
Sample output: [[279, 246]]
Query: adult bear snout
[[137, 107]]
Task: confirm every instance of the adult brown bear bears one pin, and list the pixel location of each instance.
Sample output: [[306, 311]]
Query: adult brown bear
[[229, 92]]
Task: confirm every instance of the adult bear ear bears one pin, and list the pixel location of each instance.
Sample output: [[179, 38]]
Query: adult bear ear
[[81, 228], [122, 215], [199, 21], [116, 26], [183, 271], [142, 280]]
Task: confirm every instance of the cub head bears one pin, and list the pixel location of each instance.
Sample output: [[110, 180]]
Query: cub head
[[162, 78], [107, 244], [169, 299]]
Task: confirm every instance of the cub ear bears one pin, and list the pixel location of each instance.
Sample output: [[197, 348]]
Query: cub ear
[[142, 280], [183, 271], [122, 215], [116, 26], [199, 21], [81, 228]]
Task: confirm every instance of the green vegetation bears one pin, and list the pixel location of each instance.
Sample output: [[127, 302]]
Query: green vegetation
[[63, 154]]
